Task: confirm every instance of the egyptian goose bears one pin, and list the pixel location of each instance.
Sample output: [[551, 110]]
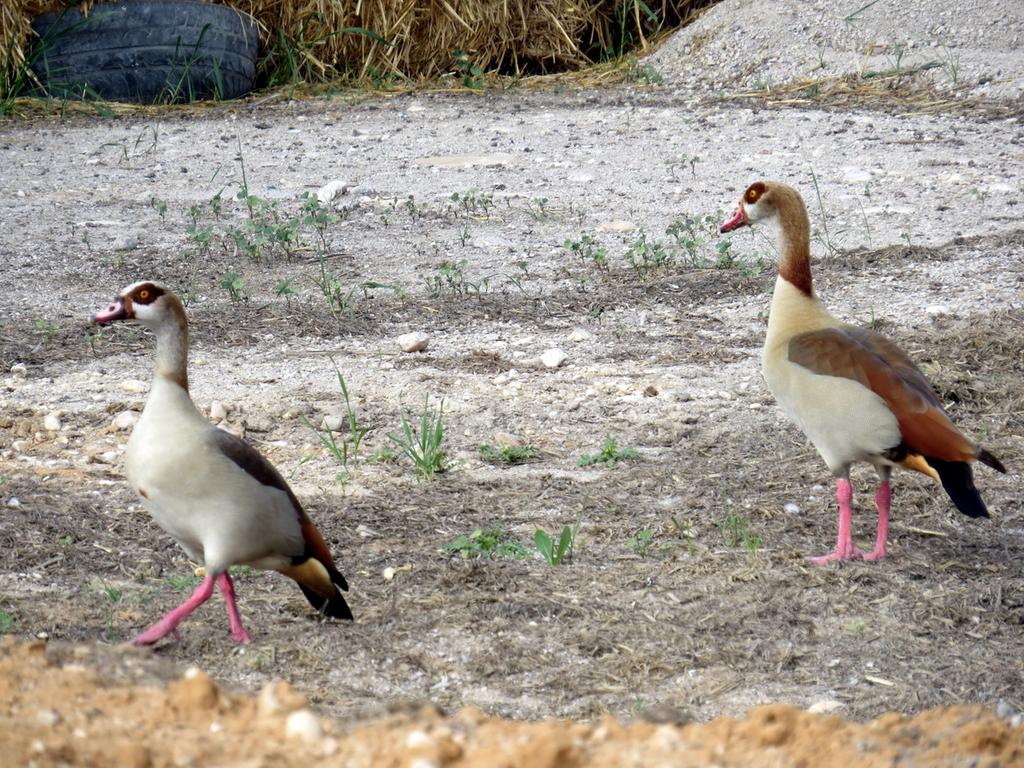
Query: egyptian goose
[[212, 492], [855, 394]]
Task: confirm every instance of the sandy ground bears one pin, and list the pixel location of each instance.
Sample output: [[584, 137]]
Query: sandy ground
[[688, 595], [59, 711]]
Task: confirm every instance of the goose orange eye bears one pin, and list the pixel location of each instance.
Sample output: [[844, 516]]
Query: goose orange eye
[[752, 195], [143, 295]]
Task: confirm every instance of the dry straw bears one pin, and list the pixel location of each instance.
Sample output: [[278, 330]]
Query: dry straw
[[416, 39]]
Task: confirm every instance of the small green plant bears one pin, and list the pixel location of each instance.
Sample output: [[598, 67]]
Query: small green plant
[[450, 279], [951, 65], [682, 161], [609, 454], [522, 272], [339, 299], [6, 623], [285, 289], [234, 284], [113, 594], [689, 234], [356, 432], [385, 455], [507, 454], [317, 216], [643, 74], [556, 553], [486, 542], [850, 18], [472, 74], [46, 328], [201, 234], [588, 251], [160, 206], [346, 449], [474, 201], [736, 530], [179, 583], [640, 542], [684, 531], [414, 209], [646, 256], [825, 237], [424, 447], [538, 208]]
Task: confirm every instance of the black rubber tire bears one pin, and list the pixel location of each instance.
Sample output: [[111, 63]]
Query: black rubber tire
[[147, 52]]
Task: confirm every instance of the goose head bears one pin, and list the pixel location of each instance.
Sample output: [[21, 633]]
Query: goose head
[[757, 204], [147, 302]]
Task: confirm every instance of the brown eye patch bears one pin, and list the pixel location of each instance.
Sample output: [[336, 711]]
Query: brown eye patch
[[147, 293], [754, 192]]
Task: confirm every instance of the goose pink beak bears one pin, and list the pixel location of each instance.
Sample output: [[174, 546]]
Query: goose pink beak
[[113, 312], [739, 219]]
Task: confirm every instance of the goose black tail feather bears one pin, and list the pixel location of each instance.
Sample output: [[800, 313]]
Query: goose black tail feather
[[958, 481], [333, 606], [987, 458]]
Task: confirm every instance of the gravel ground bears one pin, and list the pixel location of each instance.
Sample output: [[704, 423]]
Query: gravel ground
[[972, 49]]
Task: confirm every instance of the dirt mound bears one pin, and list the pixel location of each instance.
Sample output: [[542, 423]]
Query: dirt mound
[[744, 44], [95, 706]]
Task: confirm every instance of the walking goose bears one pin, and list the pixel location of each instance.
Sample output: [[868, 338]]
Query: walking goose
[[854, 393], [212, 492]]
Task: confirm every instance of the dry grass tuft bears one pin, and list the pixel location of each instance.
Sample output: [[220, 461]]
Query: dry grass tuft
[[883, 90], [311, 40]]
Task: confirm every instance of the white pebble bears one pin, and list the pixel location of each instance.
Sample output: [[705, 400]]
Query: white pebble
[[617, 226], [417, 739], [125, 420], [14, 502], [388, 573], [304, 725], [19, 370], [580, 334], [218, 411], [51, 422], [790, 508], [334, 421], [134, 386], [416, 341], [332, 189], [47, 718], [936, 310], [825, 707], [553, 358]]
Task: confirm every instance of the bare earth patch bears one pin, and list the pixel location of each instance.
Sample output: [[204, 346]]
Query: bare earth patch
[[73, 706]]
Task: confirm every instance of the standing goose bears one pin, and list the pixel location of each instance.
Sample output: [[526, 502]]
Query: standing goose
[[212, 492], [854, 393]]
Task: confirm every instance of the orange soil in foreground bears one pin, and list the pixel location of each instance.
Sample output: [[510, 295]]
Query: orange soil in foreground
[[59, 711]]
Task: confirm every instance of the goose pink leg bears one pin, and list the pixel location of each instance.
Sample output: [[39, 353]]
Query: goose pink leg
[[845, 548], [227, 588], [170, 622], [882, 497]]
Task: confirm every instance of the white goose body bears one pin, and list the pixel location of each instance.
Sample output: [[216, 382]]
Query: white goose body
[[217, 497], [844, 420], [218, 513]]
